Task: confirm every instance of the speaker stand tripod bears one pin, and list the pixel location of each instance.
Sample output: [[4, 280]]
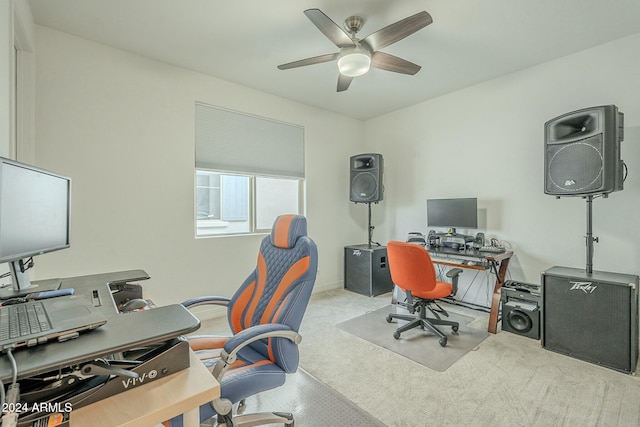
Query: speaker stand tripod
[[589, 236]]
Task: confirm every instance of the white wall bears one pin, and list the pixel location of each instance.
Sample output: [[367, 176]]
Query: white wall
[[122, 126], [487, 141]]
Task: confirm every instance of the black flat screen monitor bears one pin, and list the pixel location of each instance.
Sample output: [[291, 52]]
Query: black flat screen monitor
[[452, 213], [34, 218]]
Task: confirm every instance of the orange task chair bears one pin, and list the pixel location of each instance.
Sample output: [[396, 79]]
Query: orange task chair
[[264, 316], [412, 271]]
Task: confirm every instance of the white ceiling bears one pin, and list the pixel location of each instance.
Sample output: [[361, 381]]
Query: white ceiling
[[243, 41]]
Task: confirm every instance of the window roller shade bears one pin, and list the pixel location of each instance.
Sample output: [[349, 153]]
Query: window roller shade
[[236, 142]]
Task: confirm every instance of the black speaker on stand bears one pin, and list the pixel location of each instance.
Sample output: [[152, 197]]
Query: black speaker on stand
[[582, 152], [366, 178], [582, 158], [366, 270]]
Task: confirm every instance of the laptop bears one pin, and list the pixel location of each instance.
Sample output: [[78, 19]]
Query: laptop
[[36, 322]]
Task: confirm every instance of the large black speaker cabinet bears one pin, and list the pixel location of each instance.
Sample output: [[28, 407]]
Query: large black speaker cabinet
[[582, 152], [592, 317], [521, 308], [366, 178], [366, 270]]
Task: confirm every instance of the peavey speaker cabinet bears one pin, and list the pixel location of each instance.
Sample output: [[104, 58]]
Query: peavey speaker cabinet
[[582, 152], [592, 317], [366, 270]]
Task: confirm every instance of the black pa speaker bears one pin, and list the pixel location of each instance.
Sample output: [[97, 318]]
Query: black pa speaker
[[592, 317], [520, 309], [366, 178], [582, 152]]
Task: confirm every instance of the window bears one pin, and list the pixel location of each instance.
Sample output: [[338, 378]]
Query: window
[[249, 170]]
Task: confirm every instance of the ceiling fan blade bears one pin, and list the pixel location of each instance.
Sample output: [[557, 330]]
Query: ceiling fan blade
[[309, 61], [397, 31], [329, 28], [343, 82], [387, 62]]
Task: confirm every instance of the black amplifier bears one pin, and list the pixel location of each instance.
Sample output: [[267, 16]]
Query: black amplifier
[[521, 308]]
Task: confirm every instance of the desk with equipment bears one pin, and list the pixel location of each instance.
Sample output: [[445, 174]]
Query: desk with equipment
[[496, 262], [108, 368], [464, 251]]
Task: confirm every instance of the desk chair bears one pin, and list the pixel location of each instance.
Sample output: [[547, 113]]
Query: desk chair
[[412, 271], [264, 316]]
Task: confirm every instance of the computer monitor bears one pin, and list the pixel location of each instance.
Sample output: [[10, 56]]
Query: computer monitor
[[452, 213], [34, 219]]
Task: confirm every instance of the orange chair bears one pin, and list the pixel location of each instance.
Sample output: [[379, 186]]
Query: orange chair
[[412, 271]]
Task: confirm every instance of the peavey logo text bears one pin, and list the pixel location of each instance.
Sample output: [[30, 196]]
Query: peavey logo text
[[357, 252], [586, 287]]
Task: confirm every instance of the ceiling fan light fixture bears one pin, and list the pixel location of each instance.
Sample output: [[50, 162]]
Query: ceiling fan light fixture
[[354, 62]]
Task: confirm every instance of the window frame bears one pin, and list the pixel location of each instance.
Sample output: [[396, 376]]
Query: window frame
[[252, 205]]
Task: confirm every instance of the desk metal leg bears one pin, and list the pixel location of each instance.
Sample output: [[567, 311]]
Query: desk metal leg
[[495, 300]]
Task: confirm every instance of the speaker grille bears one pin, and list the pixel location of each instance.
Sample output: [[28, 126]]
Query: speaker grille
[[364, 186], [575, 167], [588, 320]]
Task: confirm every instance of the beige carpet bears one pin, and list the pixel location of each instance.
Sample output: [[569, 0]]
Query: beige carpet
[[508, 381], [416, 344]]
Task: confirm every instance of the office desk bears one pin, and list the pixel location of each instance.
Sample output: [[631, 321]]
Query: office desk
[[153, 403], [120, 333], [498, 263]]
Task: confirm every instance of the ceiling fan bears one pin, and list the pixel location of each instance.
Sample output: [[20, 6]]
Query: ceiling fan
[[356, 56]]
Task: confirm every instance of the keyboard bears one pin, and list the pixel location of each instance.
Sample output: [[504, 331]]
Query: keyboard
[[492, 249], [23, 319]]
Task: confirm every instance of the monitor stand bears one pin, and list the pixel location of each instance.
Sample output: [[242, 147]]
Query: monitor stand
[[22, 286], [36, 286]]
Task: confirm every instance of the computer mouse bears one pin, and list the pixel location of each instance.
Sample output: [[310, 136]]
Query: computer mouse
[[133, 304]]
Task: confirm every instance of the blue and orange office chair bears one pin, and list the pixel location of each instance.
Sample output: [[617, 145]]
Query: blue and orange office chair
[[264, 316], [412, 270]]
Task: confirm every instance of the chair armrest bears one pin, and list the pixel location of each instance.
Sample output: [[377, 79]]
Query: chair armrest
[[246, 337], [194, 302], [453, 275]]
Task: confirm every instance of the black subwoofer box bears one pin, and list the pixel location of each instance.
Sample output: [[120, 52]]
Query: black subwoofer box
[[521, 308], [592, 317], [366, 270]]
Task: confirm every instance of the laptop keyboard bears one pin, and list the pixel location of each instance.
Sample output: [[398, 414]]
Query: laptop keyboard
[[23, 319]]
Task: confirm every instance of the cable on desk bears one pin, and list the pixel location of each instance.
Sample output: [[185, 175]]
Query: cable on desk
[[10, 418]]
